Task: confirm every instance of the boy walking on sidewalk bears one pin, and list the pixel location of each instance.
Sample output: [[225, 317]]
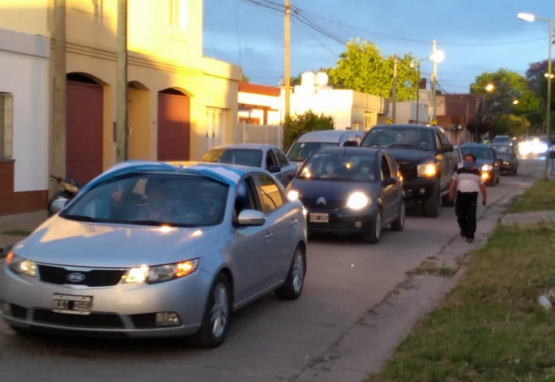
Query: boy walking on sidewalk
[[467, 182]]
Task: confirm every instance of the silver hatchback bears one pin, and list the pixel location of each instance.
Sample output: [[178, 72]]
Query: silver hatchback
[[157, 250]]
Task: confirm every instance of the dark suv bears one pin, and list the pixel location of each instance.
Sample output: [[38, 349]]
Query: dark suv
[[426, 161]]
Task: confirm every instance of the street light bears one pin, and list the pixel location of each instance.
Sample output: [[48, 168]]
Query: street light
[[417, 63], [488, 88], [437, 57], [530, 17]]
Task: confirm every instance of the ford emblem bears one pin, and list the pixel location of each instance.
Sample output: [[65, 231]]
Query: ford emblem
[[75, 277]]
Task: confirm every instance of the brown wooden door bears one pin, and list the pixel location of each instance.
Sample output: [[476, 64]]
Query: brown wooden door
[[174, 127], [84, 131]]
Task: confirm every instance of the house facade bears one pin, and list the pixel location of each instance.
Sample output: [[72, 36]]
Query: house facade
[[350, 109], [24, 117], [180, 103]]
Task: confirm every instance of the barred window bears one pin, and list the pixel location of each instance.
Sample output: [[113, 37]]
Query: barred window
[[6, 125]]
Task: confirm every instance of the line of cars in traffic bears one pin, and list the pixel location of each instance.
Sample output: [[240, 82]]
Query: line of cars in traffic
[[152, 249]]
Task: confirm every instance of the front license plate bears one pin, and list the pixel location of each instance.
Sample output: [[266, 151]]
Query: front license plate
[[71, 304], [319, 217]]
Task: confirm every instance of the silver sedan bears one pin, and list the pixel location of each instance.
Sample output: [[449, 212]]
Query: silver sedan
[[268, 157], [158, 250]]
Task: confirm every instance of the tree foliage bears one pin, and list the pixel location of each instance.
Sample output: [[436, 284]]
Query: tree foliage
[[511, 95], [297, 125], [362, 67]]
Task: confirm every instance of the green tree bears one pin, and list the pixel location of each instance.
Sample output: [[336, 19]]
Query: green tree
[[538, 83], [362, 67], [298, 124], [511, 96]]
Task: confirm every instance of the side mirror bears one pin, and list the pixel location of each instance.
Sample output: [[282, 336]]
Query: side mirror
[[250, 218], [389, 182], [447, 147], [57, 205], [274, 169]]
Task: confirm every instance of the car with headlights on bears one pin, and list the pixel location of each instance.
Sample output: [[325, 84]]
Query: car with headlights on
[[425, 158], [486, 161], [268, 157], [508, 158], [350, 191], [152, 249]]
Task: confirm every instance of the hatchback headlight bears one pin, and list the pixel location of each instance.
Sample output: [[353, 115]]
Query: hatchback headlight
[[19, 265], [426, 170], [160, 273], [358, 200], [487, 167], [293, 195]]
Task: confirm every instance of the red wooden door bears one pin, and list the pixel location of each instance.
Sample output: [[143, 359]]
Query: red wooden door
[[174, 127], [84, 131]]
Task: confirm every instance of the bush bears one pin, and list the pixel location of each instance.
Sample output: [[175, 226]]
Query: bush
[[297, 125]]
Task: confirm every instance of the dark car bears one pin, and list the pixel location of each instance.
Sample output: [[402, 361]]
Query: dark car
[[486, 161], [350, 190], [426, 160], [268, 157], [508, 158]]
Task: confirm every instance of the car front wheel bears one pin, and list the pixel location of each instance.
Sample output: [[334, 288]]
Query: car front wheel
[[399, 223], [432, 204], [216, 315], [375, 232], [293, 286]]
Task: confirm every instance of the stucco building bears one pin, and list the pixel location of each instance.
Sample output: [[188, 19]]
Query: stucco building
[[180, 102]]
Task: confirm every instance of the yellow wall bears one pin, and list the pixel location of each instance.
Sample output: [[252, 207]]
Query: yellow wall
[[161, 56], [29, 16]]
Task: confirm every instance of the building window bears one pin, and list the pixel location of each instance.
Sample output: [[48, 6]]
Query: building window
[[6, 125], [179, 14]]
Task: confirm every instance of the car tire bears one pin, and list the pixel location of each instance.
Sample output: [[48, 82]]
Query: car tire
[[294, 283], [399, 223], [215, 321], [430, 206], [375, 232], [515, 171]]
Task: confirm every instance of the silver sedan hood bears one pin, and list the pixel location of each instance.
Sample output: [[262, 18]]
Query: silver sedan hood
[[66, 242]]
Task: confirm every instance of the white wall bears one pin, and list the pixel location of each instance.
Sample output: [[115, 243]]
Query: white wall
[[24, 73], [330, 102]]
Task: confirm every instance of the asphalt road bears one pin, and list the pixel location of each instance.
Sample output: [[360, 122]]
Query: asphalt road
[[313, 339]]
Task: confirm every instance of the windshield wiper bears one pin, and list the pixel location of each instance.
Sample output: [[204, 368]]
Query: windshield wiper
[[81, 218]]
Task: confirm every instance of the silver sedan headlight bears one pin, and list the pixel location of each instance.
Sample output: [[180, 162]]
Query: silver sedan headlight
[[19, 265], [160, 273], [358, 200], [487, 167]]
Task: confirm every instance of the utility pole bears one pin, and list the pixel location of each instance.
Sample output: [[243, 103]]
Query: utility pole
[[548, 108], [60, 91], [394, 92], [287, 58], [122, 88], [434, 79]]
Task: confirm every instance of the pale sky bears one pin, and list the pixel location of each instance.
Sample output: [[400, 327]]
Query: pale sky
[[476, 36]]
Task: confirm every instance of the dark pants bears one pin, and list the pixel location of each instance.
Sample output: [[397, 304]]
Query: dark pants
[[465, 209]]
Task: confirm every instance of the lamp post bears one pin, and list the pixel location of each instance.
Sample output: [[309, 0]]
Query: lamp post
[[437, 57], [488, 88], [417, 63], [530, 17]]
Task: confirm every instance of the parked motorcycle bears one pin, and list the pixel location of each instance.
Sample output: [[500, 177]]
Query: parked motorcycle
[[69, 188]]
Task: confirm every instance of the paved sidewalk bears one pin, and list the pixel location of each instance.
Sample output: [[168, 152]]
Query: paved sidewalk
[[13, 228]]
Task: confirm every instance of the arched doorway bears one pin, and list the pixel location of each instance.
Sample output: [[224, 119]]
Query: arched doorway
[[139, 139], [84, 127], [174, 125]]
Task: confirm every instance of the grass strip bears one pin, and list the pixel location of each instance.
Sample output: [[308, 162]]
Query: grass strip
[[490, 327], [541, 196]]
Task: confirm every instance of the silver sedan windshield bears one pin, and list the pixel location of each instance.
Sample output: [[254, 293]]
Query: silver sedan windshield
[[153, 199]]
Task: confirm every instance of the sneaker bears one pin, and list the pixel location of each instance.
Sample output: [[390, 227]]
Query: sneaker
[[470, 239]]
